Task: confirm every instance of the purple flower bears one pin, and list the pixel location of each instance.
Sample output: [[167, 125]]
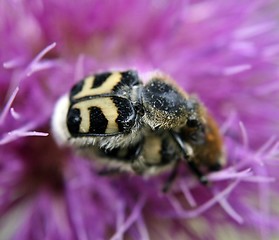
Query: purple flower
[[225, 52]]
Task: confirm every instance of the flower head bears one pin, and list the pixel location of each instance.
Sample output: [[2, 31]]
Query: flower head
[[222, 51]]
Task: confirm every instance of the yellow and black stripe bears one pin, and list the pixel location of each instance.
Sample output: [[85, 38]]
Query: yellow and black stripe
[[108, 83], [98, 108]]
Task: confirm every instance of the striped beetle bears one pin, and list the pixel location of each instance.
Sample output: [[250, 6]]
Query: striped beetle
[[114, 109], [142, 128]]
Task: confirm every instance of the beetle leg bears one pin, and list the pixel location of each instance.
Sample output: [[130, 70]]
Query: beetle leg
[[171, 178], [186, 157]]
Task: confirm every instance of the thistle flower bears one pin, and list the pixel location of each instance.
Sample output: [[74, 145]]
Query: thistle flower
[[223, 51]]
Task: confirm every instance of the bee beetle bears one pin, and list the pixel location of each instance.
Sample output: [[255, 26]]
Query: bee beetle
[[143, 128], [114, 109]]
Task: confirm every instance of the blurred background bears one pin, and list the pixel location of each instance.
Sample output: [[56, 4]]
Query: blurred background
[[224, 52]]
